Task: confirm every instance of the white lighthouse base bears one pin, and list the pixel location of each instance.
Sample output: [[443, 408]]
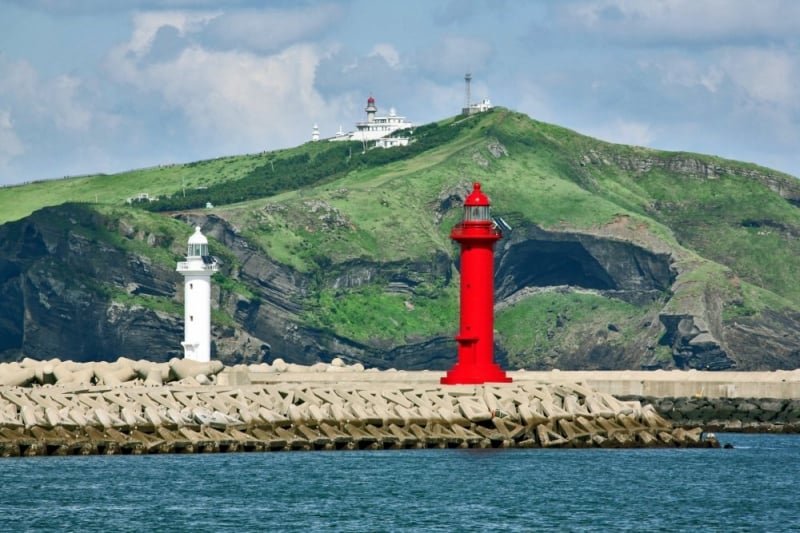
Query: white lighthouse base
[[191, 350]]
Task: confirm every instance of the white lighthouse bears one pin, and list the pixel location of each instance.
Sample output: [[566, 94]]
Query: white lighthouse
[[196, 272]]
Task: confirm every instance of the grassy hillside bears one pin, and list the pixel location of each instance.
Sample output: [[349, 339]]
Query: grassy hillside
[[322, 205]]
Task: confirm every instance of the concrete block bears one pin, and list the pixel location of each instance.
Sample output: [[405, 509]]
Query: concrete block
[[16, 377], [152, 416], [404, 438], [395, 397], [103, 418], [273, 418], [301, 414], [646, 438], [82, 377], [186, 368], [509, 429], [451, 417], [382, 435], [333, 433], [548, 437], [553, 411], [474, 409], [531, 414], [128, 417], [572, 431], [51, 416], [29, 417], [573, 405]]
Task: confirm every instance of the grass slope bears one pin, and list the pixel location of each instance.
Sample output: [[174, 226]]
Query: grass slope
[[737, 236]]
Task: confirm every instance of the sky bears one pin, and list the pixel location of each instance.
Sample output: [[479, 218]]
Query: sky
[[104, 86]]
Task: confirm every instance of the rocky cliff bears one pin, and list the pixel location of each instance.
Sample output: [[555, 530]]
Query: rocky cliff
[[612, 257], [64, 280]]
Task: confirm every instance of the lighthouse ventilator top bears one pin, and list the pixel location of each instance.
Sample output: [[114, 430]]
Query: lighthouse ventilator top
[[477, 234]]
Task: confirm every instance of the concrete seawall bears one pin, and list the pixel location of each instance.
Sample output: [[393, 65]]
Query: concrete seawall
[[138, 407], [781, 384]]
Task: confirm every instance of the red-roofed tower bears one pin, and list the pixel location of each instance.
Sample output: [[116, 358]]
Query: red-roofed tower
[[371, 109], [476, 233]]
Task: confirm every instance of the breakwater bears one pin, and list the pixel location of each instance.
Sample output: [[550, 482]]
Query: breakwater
[[767, 402], [135, 407], [746, 415]]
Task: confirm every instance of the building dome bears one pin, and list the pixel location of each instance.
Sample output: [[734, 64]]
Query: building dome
[[198, 244], [197, 237], [476, 197], [370, 100]]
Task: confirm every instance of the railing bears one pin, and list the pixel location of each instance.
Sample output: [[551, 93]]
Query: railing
[[184, 265], [468, 229]]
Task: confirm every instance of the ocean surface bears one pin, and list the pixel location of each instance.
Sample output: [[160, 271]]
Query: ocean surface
[[753, 487]]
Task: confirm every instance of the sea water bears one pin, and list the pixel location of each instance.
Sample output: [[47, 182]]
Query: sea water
[[755, 486]]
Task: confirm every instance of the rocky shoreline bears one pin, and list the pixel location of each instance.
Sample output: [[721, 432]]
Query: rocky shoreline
[[137, 407], [733, 415]]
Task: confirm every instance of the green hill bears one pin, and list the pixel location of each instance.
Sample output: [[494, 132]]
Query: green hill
[[619, 256]]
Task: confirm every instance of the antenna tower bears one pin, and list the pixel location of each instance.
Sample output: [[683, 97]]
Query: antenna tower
[[468, 79]]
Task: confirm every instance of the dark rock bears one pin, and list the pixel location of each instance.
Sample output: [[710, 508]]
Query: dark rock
[[61, 276]]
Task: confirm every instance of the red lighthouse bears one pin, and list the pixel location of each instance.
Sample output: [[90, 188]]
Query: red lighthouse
[[477, 234]]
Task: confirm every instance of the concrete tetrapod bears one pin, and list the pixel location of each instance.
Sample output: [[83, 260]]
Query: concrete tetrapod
[[140, 416]]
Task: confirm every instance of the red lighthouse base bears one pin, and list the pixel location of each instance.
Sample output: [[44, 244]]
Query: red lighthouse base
[[475, 375], [468, 371]]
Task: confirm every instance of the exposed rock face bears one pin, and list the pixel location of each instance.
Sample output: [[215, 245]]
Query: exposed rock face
[[51, 269], [535, 257], [60, 281], [768, 341], [693, 346], [686, 165]]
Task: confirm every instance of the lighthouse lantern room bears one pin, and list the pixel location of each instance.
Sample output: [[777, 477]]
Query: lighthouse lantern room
[[197, 271], [477, 234]]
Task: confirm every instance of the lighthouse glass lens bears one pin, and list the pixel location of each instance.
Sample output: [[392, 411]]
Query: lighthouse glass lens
[[473, 213]]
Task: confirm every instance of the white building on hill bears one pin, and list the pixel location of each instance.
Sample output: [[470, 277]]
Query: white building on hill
[[377, 128]]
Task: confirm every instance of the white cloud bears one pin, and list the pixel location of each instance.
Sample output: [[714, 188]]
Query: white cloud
[[147, 24], [685, 71], [56, 103], [535, 102], [10, 144], [684, 20], [238, 101], [18, 79], [767, 76], [267, 30], [68, 113], [622, 131], [454, 55], [760, 75], [386, 52]]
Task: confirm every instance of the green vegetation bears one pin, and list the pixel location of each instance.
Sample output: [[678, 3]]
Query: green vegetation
[[544, 323], [322, 207], [735, 221], [154, 303], [317, 164], [235, 286], [369, 314], [161, 304]]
